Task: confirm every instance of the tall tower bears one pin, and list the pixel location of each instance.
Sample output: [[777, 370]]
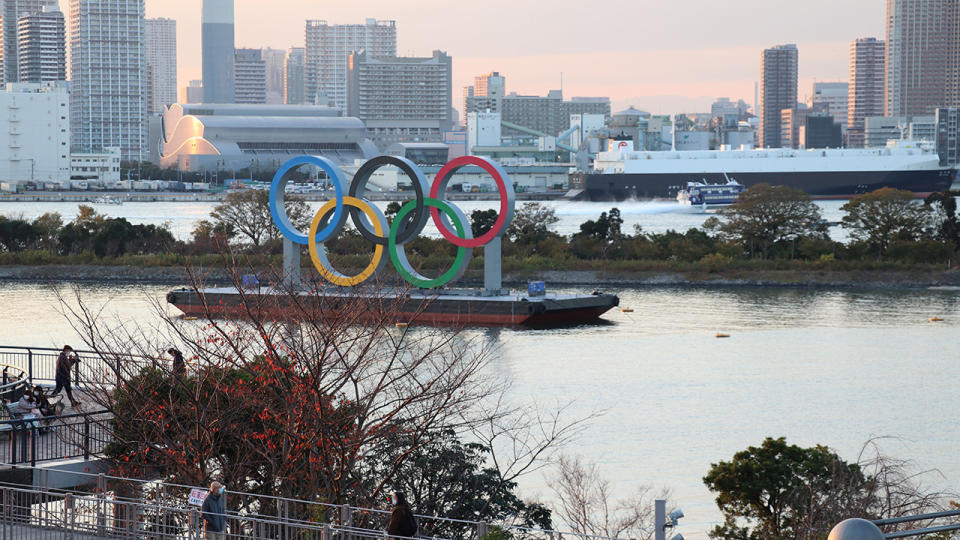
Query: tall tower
[[329, 46], [922, 63], [218, 51], [867, 74], [294, 77], [251, 76], [10, 13], [161, 50], [778, 91], [108, 68], [42, 47]]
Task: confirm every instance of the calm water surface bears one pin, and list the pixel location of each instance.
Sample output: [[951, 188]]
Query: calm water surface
[[182, 217], [816, 366]]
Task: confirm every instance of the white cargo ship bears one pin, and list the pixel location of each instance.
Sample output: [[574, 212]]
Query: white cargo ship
[[822, 173]]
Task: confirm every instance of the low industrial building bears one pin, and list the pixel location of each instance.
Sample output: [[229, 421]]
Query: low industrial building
[[211, 137], [97, 169]]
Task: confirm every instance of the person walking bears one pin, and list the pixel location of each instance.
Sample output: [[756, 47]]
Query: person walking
[[65, 363], [402, 521], [179, 366], [214, 511]]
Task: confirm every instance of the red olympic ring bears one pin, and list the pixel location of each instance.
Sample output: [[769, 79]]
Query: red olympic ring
[[507, 200]]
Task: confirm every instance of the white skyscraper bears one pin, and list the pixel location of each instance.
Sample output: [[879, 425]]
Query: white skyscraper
[[108, 96], [161, 51], [42, 47], [10, 13], [329, 46]]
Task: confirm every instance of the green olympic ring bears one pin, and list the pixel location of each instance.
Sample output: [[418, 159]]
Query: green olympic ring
[[399, 257]]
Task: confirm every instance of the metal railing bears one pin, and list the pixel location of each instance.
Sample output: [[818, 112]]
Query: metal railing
[[54, 438], [39, 364], [27, 513], [921, 517], [265, 508]]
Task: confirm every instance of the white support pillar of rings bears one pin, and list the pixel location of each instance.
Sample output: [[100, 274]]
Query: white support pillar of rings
[[291, 264], [492, 267]]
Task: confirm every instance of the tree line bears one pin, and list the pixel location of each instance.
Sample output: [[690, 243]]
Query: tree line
[[766, 223]]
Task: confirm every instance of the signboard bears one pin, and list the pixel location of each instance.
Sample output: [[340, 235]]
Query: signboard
[[197, 496]]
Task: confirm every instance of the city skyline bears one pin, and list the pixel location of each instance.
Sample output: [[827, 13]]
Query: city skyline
[[677, 67]]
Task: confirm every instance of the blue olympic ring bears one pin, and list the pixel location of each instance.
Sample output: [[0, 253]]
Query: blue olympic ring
[[279, 212]]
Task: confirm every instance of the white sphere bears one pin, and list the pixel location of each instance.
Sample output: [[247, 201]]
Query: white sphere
[[856, 529]]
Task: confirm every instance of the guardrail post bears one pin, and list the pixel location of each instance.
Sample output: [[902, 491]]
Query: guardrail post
[[30, 366], [13, 444], [6, 510], [33, 443], [86, 438], [482, 530], [346, 521], [68, 502], [327, 532], [194, 525]]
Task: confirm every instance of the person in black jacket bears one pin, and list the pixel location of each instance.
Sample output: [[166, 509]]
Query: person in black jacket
[[402, 521], [65, 363], [214, 512], [179, 366]]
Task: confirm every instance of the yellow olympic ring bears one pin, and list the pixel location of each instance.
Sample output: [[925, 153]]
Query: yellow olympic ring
[[330, 274]]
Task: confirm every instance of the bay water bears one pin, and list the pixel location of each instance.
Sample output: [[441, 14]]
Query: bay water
[[818, 366]]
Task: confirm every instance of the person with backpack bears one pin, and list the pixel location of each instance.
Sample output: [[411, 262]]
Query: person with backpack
[[402, 521]]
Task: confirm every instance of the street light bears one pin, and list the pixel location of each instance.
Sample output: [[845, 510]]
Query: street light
[[662, 521]]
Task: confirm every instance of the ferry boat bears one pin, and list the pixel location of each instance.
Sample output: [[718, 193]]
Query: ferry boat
[[842, 173], [107, 199], [704, 196]]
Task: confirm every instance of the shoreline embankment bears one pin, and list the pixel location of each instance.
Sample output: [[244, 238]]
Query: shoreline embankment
[[845, 279]]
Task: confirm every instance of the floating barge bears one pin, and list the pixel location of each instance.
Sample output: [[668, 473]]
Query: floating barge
[[458, 307]]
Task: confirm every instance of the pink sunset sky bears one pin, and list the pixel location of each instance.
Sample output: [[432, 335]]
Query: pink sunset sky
[[659, 55]]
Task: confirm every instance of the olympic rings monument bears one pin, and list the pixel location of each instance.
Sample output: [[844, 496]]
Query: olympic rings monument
[[429, 298]]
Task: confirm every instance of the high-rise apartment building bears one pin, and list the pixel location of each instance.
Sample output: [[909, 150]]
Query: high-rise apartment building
[[778, 91], [250, 76], [274, 61], [835, 96], [42, 47], [401, 99], [294, 77], [10, 13], [922, 56], [108, 77], [328, 48], [488, 91], [549, 114], [867, 92], [161, 50], [218, 51]]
